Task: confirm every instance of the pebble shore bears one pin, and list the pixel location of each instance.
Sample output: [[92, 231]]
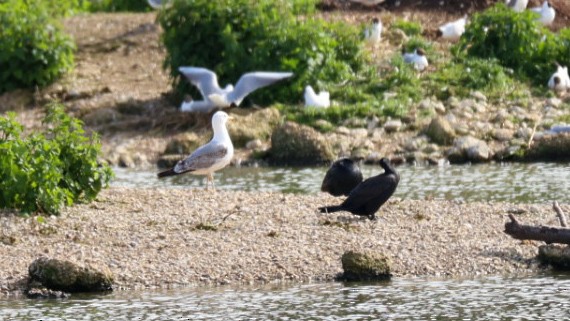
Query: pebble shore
[[151, 238]]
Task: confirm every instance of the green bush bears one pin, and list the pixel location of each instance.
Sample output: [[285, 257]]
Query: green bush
[[120, 5], [33, 49], [516, 40], [49, 169], [232, 37]]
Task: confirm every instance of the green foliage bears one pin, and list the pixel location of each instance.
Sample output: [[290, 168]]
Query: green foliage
[[34, 51], [516, 40], [232, 37], [120, 5], [49, 169], [410, 28], [461, 76]]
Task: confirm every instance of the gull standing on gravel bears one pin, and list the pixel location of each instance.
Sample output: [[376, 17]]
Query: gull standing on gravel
[[517, 5], [215, 97], [452, 30], [546, 12], [417, 58], [374, 32], [560, 80], [312, 99], [208, 158]]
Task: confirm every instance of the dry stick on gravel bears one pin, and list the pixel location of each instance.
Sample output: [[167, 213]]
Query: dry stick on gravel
[[560, 214], [548, 234]]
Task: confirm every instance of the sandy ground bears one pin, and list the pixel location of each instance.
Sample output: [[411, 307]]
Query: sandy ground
[[166, 238]]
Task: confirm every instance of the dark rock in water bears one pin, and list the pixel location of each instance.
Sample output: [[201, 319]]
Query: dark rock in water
[[65, 276], [555, 255], [342, 177], [294, 144], [36, 290], [365, 266], [366, 198]]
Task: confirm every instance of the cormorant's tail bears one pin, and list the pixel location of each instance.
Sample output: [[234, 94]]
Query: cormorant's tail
[[169, 172], [330, 209]]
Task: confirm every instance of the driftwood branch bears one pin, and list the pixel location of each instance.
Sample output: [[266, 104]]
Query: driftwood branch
[[560, 214], [548, 234]]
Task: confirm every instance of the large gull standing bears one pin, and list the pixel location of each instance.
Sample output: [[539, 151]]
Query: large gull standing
[[208, 158], [215, 97]]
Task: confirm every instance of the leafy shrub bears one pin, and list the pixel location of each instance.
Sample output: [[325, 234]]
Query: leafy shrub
[[461, 76], [33, 48], [232, 37], [410, 28], [120, 5], [516, 40], [49, 169]]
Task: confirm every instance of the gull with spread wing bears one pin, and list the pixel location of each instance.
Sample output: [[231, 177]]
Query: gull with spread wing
[[215, 97]]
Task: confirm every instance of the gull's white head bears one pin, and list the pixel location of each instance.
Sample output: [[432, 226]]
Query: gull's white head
[[220, 118]]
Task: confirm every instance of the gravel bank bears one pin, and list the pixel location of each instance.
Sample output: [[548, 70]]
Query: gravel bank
[[160, 237]]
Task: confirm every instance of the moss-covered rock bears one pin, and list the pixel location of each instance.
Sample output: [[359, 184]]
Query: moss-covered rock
[[366, 266], [440, 131], [294, 144], [258, 124], [551, 147], [66, 276], [555, 255], [184, 144]]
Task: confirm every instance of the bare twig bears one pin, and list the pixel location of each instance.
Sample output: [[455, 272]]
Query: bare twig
[[560, 214]]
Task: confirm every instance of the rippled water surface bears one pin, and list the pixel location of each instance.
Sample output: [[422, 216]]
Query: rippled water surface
[[512, 182], [542, 297]]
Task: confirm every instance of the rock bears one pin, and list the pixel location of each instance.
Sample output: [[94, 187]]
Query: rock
[[503, 134], [254, 144], [36, 290], [355, 122], [65, 276], [365, 266], [478, 96], [554, 102], [551, 147], [258, 124], [392, 125], [415, 143], [101, 116], [184, 143], [556, 255], [294, 144], [468, 148], [440, 131]]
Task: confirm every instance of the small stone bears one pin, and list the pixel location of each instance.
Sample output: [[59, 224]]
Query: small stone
[[440, 131], [503, 134], [392, 126], [479, 96], [254, 144]]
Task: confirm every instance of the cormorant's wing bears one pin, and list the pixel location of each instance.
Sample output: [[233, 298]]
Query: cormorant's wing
[[252, 81]]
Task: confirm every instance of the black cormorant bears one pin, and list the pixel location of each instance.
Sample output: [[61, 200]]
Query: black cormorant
[[366, 198], [343, 176]]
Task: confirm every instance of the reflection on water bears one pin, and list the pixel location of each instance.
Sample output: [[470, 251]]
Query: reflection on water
[[512, 182], [491, 298]]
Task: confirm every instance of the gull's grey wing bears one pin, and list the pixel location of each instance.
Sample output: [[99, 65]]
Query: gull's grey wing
[[204, 79], [202, 158], [254, 80]]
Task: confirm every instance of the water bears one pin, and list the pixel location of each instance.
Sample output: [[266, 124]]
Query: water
[[510, 182], [542, 297]]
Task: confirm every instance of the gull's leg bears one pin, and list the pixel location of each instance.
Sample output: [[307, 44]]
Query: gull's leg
[[212, 178]]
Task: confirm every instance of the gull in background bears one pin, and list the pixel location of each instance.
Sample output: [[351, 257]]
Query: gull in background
[[517, 5], [417, 58], [452, 30], [215, 97], [546, 12], [560, 80], [208, 158], [157, 4], [320, 100], [374, 32]]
